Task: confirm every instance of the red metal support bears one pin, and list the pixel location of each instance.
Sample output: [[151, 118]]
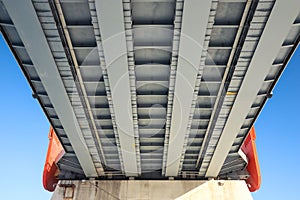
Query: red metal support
[[51, 171], [249, 148], [56, 151]]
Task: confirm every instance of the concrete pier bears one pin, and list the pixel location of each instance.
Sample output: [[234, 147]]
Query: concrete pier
[[149, 189]]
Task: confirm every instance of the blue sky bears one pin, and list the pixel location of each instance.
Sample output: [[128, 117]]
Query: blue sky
[[278, 137], [23, 134], [24, 130]]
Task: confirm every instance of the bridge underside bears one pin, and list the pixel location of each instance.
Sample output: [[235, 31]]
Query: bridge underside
[[151, 89]]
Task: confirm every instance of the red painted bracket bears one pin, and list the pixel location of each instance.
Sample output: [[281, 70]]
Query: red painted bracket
[[54, 153], [249, 148]]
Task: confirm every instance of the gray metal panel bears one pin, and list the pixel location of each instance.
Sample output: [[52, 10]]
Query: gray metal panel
[[191, 41], [214, 127], [29, 29], [109, 132], [111, 23], [284, 13]]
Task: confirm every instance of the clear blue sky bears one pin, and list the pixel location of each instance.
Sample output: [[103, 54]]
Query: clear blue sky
[[24, 129]]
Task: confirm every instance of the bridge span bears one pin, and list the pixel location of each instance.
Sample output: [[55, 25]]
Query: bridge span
[[144, 90]]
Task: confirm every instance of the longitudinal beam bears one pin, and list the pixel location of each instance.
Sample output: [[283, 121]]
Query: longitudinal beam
[[111, 24], [28, 26], [194, 22], [280, 21]]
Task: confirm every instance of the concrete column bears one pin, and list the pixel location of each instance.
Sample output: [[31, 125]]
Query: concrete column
[[149, 189]]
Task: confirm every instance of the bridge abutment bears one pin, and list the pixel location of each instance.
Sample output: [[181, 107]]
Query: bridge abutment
[[151, 189]]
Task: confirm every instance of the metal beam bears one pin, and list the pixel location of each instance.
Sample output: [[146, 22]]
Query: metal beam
[[28, 26], [131, 69], [102, 66], [173, 67], [112, 30], [81, 88], [221, 94], [279, 22], [191, 40]]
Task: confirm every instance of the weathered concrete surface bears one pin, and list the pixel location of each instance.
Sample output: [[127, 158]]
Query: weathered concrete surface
[[141, 190], [227, 190]]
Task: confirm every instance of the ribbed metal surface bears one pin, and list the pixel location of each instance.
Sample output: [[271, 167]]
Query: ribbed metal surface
[[152, 39], [152, 32]]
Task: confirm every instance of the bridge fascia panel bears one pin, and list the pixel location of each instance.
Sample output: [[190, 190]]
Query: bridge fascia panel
[[28, 26], [281, 19], [194, 23]]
